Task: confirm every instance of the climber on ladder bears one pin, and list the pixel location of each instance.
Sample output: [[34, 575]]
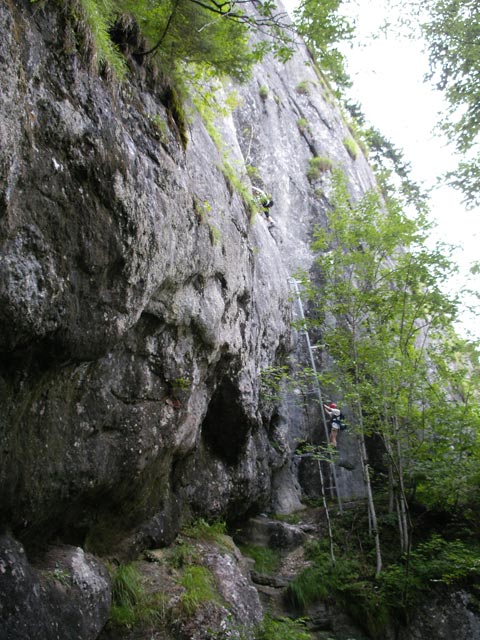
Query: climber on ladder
[[333, 413]]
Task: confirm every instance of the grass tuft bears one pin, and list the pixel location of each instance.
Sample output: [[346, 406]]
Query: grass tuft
[[199, 588], [266, 560], [351, 147]]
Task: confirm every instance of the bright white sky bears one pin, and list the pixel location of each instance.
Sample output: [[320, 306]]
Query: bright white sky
[[387, 75]]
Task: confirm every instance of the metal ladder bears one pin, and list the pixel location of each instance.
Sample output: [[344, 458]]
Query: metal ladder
[[295, 286]]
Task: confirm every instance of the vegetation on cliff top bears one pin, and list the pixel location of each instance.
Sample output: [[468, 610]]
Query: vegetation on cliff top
[[215, 35], [179, 32]]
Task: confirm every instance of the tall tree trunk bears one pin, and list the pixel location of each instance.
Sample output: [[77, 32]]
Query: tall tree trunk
[[397, 485], [371, 505], [404, 511], [365, 464]]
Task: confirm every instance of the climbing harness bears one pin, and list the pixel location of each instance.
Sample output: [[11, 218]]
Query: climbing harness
[[295, 286]]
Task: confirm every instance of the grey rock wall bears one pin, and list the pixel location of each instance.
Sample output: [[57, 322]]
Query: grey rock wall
[[446, 615], [138, 302], [68, 597], [129, 318]]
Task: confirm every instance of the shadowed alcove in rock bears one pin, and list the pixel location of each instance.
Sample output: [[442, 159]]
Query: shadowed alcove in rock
[[226, 426]]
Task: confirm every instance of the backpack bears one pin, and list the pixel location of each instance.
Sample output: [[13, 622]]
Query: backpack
[[339, 420]]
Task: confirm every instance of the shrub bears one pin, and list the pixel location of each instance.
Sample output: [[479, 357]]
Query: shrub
[[209, 111], [95, 19], [215, 234], [202, 530], [289, 518], [302, 124], [435, 560], [263, 92], [202, 209], [281, 629], [160, 127], [182, 554], [352, 148], [303, 88], [317, 166], [252, 172]]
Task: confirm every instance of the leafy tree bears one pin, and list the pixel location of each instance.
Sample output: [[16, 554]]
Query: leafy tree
[[446, 465], [323, 27], [452, 30], [384, 311], [383, 153]]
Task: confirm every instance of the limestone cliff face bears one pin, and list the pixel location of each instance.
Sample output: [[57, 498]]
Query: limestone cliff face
[[138, 302]]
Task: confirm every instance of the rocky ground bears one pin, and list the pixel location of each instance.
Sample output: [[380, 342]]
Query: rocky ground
[[244, 589]]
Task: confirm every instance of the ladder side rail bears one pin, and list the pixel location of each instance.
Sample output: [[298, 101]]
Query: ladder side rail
[[317, 384]]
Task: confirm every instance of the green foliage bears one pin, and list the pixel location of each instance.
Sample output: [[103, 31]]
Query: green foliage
[[267, 560], [303, 125], [96, 20], [202, 209], [132, 604], [446, 466], [450, 29], [127, 586], [322, 579], [389, 161], [303, 87], [317, 166], [252, 172], [181, 384], [401, 586], [160, 126], [179, 32], [182, 555], [276, 379], [62, 576], [188, 32], [289, 518], [281, 629], [263, 92], [352, 148], [174, 106], [348, 583], [392, 349], [466, 178], [215, 234], [323, 27], [202, 530], [199, 588], [436, 561], [271, 381]]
